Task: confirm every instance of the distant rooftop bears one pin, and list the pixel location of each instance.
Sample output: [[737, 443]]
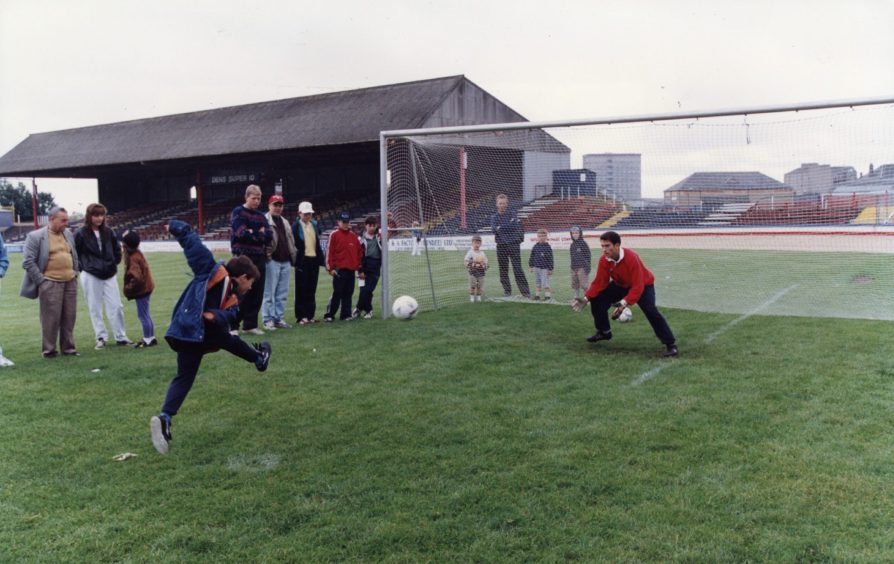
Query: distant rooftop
[[701, 181]]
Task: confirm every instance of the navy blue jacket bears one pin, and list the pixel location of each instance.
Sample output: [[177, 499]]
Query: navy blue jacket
[[580, 254], [541, 256], [507, 228], [187, 323]]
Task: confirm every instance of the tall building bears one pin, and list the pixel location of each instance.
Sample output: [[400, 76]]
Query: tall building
[[617, 173], [813, 178]]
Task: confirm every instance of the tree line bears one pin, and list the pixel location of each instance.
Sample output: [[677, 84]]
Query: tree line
[[19, 197]]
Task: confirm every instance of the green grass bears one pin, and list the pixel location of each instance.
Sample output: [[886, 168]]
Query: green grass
[[483, 432], [805, 284]]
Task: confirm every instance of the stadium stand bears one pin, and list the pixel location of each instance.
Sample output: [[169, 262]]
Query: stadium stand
[[587, 212], [646, 218], [800, 213]]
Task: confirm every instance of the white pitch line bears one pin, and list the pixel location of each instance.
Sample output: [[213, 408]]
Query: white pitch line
[[773, 299], [649, 374]]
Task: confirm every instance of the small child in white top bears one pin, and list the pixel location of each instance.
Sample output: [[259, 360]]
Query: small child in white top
[[476, 263]]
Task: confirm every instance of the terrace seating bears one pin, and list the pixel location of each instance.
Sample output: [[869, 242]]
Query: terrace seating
[[649, 218], [726, 214], [800, 213], [586, 212]]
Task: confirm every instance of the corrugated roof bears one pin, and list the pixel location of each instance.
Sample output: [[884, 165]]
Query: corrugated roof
[[326, 119], [701, 181]]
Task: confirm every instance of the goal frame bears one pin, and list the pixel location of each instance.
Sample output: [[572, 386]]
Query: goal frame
[[384, 136]]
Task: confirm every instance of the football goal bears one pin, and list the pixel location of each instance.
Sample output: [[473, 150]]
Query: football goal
[[783, 210]]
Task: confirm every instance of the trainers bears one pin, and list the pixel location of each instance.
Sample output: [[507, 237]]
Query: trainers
[[269, 326], [71, 353], [255, 331], [328, 319], [599, 336], [100, 344], [281, 325], [671, 351], [5, 361], [355, 314], [143, 344], [125, 342], [368, 315], [234, 332], [160, 427], [304, 321], [536, 298], [263, 359]]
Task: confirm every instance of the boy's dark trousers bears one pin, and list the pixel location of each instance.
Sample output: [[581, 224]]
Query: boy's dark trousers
[[306, 278], [371, 271], [250, 304], [600, 305], [189, 357], [342, 292]]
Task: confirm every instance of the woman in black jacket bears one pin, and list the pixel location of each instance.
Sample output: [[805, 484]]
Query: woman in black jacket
[[98, 256]]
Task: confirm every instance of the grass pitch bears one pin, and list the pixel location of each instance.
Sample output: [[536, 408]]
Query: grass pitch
[[482, 432]]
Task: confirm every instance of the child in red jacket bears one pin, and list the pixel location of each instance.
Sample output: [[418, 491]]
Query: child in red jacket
[[344, 255]]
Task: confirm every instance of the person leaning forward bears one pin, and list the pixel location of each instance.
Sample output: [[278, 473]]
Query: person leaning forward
[[622, 278], [51, 265]]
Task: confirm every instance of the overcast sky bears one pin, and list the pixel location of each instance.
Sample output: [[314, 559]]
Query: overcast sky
[[68, 64]]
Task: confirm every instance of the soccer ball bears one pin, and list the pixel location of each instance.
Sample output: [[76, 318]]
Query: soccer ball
[[626, 315], [405, 307]]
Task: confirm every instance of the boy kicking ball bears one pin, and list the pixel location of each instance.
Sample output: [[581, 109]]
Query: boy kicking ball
[[203, 317]]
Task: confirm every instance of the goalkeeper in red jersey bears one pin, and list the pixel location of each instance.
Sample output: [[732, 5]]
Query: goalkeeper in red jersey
[[623, 279]]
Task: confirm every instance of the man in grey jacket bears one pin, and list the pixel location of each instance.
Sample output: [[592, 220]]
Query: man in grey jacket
[[51, 265], [281, 254]]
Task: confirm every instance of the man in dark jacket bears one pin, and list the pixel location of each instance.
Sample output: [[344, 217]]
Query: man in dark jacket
[[201, 323], [308, 260], [508, 235], [250, 235], [98, 256]]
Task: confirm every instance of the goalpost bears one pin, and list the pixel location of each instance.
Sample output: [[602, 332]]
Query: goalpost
[[779, 210]]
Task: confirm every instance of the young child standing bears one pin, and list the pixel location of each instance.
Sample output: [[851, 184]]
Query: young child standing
[[580, 262], [343, 257], [371, 267], [541, 263], [203, 317], [476, 262], [138, 286]]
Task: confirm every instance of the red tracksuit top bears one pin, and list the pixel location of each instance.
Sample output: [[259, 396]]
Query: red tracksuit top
[[343, 251], [629, 272]]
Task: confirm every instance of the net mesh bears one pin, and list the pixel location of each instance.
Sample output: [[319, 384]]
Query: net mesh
[[778, 214]]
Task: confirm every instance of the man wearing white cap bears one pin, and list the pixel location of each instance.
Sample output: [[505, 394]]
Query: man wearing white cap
[[309, 258]]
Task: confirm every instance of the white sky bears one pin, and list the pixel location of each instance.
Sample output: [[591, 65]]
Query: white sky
[[69, 64]]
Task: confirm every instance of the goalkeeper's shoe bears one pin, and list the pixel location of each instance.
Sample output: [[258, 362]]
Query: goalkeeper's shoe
[[671, 351], [600, 336], [160, 426]]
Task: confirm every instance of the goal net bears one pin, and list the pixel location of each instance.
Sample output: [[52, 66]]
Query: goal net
[[765, 212]]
